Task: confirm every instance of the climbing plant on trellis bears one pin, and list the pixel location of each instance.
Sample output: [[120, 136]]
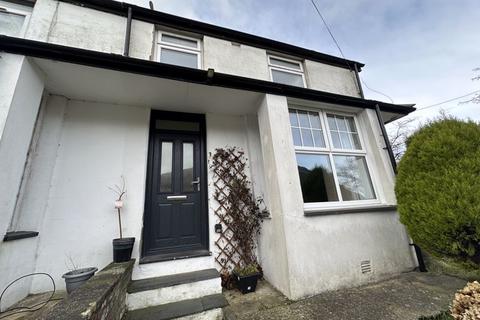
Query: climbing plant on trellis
[[237, 210]]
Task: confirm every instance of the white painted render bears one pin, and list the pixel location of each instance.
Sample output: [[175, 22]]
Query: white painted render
[[332, 79], [323, 253], [21, 88], [234, 58], [92, 145], [274, 144], [71, 25]]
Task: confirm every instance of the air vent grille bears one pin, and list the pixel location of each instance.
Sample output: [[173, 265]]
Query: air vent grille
[[366, 266]]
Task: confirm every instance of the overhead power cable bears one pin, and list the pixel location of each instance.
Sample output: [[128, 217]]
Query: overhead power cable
[[329, 31], [340, 49], [449, 100], [383, 94]]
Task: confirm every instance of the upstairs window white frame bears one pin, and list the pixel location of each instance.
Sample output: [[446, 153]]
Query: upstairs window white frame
[[164, 44], [287, 66], [328, 150], [4, 8]]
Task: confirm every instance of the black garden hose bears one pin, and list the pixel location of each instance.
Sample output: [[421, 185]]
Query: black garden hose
[[33, 308]]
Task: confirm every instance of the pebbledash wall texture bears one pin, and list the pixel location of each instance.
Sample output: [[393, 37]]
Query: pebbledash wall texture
[[68, 131]]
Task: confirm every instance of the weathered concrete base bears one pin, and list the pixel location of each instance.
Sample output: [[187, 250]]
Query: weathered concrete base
[[406, 297], [32, 301]]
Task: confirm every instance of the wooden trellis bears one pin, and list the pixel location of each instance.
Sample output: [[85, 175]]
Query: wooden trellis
[[228, 166]]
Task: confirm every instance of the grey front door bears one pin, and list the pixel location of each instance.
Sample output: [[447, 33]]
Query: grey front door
[[175, 219]]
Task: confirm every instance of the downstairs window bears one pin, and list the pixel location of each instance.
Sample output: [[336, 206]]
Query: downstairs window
[[331, 160]]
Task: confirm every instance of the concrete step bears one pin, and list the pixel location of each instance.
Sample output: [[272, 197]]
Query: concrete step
[[205, 308], [165, 268], [157, 291]]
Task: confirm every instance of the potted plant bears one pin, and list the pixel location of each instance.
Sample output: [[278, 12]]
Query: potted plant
[[247, 277], [76, 277], [122, 247]]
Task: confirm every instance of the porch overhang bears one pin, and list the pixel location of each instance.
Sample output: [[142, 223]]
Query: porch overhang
[[250, 87]]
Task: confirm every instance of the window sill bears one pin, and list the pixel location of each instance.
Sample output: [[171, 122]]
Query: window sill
[[343, 210], [17, 235]]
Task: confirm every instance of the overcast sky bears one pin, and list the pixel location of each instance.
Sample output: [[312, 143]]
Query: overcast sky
[[415, 51]]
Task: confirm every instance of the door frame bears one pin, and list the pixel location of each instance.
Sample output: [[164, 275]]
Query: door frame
[[178, 116]]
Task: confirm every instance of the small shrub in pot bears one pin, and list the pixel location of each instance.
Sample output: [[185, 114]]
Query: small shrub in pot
[[247, 277]]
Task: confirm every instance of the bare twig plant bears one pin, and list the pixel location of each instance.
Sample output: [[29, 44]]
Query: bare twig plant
[[398, 133], [476, 97], [120, 191]]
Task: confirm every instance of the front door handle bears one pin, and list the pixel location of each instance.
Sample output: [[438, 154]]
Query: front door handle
[[176, 197], [196, 182]]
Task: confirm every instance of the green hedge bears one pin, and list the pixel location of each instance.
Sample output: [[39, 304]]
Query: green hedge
[[442, 316], [438, 189]]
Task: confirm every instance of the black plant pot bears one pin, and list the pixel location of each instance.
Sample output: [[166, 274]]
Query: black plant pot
[[122, 249], [76, 278], [247, 284]]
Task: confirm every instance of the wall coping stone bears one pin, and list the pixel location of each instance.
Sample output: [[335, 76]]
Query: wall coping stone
[[87, 300]]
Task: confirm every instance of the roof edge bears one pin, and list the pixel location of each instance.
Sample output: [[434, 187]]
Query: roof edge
[[194, 26], [117, 62], [27, 3]]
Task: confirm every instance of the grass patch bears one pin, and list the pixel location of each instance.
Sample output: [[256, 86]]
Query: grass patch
[[441, 316], [451, 267]]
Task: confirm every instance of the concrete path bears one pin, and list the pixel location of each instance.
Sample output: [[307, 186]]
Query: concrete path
[[407, 296]]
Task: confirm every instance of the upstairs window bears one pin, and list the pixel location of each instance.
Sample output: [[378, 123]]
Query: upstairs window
[[286, 71], [12, 22], [179, 50], [332, 163]]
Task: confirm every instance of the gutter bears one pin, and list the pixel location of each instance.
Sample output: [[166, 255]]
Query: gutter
[[180, 23], [161, 70], [128, 32], [388, 146], [359, 83]]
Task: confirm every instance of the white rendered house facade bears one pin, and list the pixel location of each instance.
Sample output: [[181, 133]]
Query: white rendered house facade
[[94, 90]]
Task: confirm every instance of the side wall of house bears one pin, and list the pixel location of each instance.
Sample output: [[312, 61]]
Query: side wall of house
[[21, 87], [67, 24]]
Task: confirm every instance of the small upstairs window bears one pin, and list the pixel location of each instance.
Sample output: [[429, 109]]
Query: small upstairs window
[[12, 21], [286, 71], [179, 50]]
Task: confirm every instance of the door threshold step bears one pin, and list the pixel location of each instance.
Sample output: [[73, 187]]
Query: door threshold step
[[171, 280], [179, 309], [174, 256]]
